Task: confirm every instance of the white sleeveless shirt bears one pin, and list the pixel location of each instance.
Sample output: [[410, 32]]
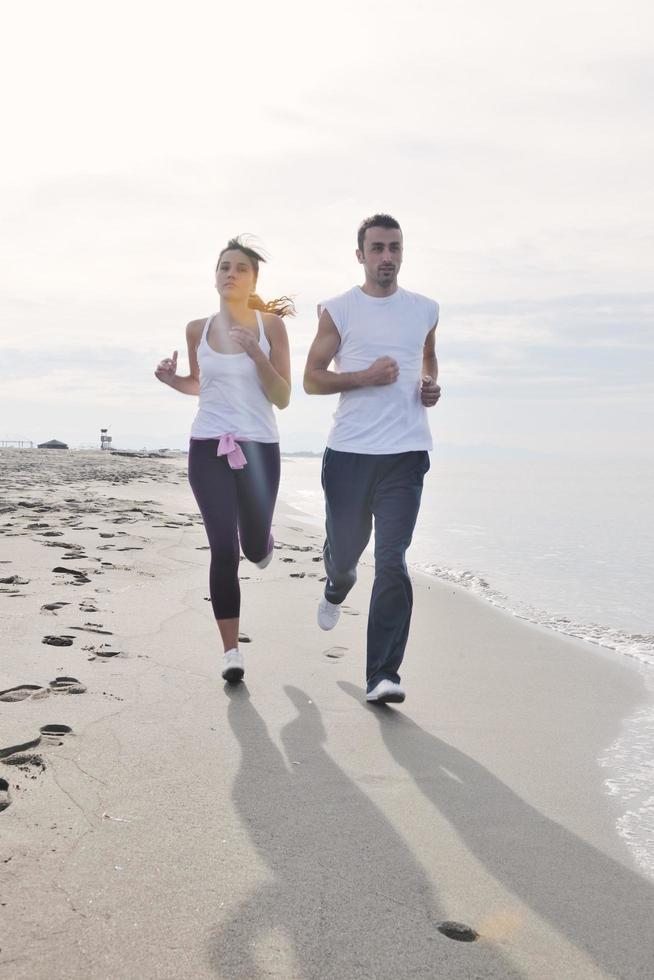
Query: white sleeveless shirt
[[386, 418], [232, 398]]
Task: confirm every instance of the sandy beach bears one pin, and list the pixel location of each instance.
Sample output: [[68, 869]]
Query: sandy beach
[[157, 823]]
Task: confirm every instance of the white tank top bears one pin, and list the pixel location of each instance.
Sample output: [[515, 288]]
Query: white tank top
[[232, 398], [387, 418]]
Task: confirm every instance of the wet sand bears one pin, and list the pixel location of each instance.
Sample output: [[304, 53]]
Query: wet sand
[[158, 823]]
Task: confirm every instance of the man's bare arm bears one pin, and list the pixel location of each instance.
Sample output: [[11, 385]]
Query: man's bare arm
[[430, 390], [318, 380]]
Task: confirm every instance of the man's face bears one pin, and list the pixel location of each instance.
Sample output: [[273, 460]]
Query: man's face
[[382, 254]]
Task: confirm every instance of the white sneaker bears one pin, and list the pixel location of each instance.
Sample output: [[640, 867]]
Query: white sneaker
[[328, 614], [267, 560], [233, 668], [386, 692]]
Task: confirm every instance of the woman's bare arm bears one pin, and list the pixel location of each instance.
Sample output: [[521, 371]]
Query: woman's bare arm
[[166, 370], [274, 372]]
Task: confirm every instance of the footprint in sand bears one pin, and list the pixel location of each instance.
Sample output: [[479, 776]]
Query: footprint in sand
[[60, 685], [14, 749], [25, 761], [102, 653], [92, 628], [64, 640], [298, 574], [79, 578], [13, 694], [67, 685], [53, 606], [55, 732], [66, 545], [349, 611], [335, 653]]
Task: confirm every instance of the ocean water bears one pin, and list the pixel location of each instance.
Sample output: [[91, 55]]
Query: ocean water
[[565, 543]]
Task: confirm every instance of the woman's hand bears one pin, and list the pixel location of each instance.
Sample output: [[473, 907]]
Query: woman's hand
[[245, 338], [167, 369]]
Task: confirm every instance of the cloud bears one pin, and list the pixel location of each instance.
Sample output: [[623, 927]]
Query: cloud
[[609, 318], [573, 346], [514, 146]]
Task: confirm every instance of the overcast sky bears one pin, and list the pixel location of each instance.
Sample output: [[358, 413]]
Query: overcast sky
[[514, 143]]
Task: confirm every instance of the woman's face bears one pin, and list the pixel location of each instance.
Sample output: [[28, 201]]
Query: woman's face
[[235, 278]]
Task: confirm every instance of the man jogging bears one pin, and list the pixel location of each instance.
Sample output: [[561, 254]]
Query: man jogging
[[381, 338]]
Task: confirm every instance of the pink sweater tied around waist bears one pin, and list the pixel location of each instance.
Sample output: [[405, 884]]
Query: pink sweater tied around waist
[[228, 446]]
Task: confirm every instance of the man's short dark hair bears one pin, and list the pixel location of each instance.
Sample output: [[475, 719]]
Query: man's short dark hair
[[376, 221]]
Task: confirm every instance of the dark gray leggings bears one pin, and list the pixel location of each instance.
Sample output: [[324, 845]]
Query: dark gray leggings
[[236, 505]]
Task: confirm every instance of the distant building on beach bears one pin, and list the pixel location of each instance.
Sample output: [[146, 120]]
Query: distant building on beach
[[105, 440], [53, 444]]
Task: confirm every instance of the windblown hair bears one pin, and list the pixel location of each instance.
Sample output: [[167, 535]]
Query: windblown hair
[[283, 306], [375, 221]]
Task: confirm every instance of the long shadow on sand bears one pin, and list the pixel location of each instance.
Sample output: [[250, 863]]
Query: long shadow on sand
[[601, 907], [344, 894]]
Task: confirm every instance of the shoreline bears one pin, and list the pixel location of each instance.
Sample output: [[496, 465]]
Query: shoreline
[[184, 828], [626, 642], [627, 759]]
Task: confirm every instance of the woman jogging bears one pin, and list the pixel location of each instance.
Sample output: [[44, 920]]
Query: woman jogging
[[240, 367]]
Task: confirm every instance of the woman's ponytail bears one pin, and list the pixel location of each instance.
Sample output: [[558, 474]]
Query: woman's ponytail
[[283, 306]]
